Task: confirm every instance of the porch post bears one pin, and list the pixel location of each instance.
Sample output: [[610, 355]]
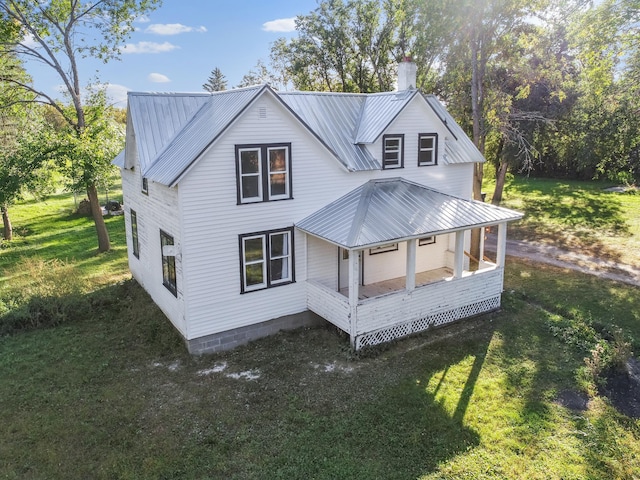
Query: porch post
[[354, 282], [481, 258], [458, 259], [411, 265], [501, 247]]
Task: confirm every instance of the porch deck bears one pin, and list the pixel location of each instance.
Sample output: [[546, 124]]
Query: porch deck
[[397, 284], [396, 313]]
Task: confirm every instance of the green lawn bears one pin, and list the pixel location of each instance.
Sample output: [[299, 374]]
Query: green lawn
[[110, 392], [579, 216]]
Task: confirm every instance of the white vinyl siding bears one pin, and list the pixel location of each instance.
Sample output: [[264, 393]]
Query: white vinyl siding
[[212, 217]]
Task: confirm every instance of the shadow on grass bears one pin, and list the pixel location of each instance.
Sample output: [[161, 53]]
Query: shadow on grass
[[106, 395], [572, 216]]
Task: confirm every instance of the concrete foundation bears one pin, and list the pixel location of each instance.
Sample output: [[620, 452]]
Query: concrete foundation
[[230, 339]]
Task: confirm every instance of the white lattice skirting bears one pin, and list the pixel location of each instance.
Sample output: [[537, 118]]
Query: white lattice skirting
[[414, 326]]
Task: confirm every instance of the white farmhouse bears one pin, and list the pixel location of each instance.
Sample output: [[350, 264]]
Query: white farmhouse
[[248, 209]]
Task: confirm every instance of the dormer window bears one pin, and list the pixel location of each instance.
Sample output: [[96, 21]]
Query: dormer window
[[392, 151], [427, 149]]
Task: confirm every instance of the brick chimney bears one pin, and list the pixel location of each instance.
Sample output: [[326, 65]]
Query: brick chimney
[[407, 71]]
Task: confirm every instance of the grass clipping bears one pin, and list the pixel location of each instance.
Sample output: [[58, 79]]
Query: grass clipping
[[41, 294]]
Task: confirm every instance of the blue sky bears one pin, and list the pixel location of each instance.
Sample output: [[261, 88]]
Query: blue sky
[[176, 46]]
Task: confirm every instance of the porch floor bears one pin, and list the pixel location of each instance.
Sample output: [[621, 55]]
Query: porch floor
[[399, 283]]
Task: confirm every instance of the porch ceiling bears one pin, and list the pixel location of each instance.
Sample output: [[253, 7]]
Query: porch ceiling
[[389, 210]]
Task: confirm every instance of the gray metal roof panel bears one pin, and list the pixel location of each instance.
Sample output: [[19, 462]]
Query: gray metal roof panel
[[377, 113], [334, 118], [213, 117], [388, 210], [118, 161], [460, 148], [157, 117]]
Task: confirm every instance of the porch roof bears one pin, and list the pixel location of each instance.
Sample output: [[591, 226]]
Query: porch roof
[[389, 210]]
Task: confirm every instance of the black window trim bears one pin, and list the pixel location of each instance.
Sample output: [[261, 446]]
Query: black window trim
[[135, 243], [430, 240], [435, 149], [266, 234], [264, 171], [384, 150], [171, 286]]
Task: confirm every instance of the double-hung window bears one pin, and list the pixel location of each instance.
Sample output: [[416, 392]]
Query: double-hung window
[[427, 149], [145, 186], [134, 234], [169, 279], [266, 259], [264, 172], [392, 151]]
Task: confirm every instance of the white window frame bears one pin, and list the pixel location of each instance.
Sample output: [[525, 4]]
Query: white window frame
[[387, 149], [270, 172], [169, 267], [433, 150], [264, 172], [245, 263], [135, 235], [242, 175], [266, 259]]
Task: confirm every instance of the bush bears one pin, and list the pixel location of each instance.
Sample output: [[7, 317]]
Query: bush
[[41, 294]]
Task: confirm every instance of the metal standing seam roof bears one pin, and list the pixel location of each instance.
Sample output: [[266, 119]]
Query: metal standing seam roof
[[387, 210], [378, 111], [157, 117], [204, 127], [173, 129], [334, 118], [118, 161], [460, 149]]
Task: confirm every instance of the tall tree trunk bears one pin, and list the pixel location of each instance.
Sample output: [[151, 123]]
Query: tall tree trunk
[[501, 175], [104, 244], [7, 231]]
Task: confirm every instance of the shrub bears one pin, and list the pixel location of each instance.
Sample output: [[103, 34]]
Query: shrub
[[41, 294]]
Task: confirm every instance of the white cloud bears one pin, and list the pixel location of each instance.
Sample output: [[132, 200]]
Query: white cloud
[[280, 25], [30, 42], [172, 29], [143, 19], [117, 94], [148, 47], [158, 78]]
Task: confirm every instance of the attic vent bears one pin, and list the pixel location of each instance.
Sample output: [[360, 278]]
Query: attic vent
[[262, 111]]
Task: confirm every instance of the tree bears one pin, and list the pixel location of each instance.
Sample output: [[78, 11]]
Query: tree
[[26, 166], [12, 125], [58, 33], [216, 82], [343, 46], [258, 75]]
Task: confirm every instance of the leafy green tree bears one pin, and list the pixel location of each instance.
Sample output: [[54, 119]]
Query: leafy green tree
[[13, 120], [344, 46], [216, 82], [58, 33], [25, 167]]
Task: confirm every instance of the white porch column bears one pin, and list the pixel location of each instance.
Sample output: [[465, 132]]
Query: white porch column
[[411, 265], [481, 258], [501, 247], [458, 259], [354, 282]]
